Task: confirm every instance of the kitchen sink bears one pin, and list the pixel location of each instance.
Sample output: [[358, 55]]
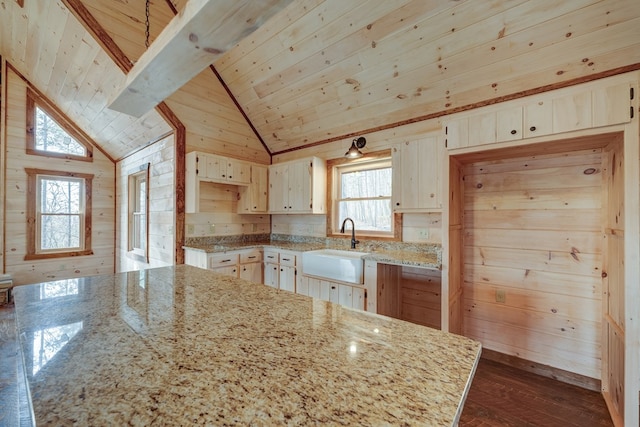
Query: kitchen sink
[[334, 264]]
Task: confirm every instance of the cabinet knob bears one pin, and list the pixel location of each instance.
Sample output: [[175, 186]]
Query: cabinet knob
[[513, 132], [397, 203], [223, 176], [532, 128], [230, 177]]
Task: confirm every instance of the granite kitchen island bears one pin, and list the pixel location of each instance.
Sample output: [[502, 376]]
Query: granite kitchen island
[[181, 346]]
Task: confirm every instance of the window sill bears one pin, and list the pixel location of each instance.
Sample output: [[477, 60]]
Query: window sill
[[52, 255]]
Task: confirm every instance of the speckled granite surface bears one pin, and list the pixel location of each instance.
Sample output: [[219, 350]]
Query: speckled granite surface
[[399, 253], [183, 346]]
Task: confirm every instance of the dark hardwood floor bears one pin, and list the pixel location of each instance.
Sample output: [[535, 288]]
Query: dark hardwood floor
[[501, 395]]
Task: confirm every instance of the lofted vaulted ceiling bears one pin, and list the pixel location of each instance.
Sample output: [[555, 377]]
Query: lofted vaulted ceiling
[[326, 70]]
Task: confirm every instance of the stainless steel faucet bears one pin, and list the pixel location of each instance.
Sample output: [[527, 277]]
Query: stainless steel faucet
[[354, 242]]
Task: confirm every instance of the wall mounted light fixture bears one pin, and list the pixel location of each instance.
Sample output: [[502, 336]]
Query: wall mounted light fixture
[[354, 152]]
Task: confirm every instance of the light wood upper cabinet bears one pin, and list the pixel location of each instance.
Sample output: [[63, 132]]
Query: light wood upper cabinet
[[223, 169], [538, 118], [417, 170], [212, 168], [298, 186], [253, 199], [570, 109], [611, 104]]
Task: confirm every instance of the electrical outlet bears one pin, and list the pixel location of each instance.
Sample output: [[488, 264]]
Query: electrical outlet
[[191, 229], [212, 228], [501, 296]]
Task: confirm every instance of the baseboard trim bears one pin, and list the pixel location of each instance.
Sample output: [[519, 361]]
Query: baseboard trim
[[543, 370]]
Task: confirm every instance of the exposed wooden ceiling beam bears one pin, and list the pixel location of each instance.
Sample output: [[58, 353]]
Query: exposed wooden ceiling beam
[[193, 40]]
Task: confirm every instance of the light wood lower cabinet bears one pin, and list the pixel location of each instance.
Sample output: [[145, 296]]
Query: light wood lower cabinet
[[339, 293], [280, 269], [244, 264]]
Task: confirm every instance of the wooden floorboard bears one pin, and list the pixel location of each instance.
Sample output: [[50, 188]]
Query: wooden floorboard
[[501, 395]]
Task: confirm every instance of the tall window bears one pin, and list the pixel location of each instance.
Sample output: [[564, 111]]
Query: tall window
[[50, 134], [363, 193], [58, 214], [139, 212]]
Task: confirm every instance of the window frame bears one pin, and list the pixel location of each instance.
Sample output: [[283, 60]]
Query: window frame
[[132, 181], [334, 167], [33, 213], [33, 101]]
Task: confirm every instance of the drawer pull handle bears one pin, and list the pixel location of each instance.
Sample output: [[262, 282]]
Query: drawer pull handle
[[226, 260], [251, 257], [286, 259]]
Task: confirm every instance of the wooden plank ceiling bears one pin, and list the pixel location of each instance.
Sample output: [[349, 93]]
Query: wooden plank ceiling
[[325, 70]]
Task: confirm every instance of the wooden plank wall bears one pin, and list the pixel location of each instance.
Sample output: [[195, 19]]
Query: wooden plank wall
[[103, 221], [218, 217], [533, 258], [161, 187], [51, 48]]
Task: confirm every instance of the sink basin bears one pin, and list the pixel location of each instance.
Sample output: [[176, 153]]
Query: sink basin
[[334, 264]]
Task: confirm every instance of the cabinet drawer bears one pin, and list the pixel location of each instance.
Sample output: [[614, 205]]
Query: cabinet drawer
[[287, 259], [271, 256], [222, 260], [253, 255]]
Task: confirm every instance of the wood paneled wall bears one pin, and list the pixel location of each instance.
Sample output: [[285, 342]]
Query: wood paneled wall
[[161, 188], [533, 258], [103, 201], [219, 204], [51, 48]]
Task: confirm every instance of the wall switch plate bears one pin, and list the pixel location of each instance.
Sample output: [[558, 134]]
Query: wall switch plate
[[501, 296]]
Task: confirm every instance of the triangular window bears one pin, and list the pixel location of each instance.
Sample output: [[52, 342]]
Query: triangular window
[[49, 133]]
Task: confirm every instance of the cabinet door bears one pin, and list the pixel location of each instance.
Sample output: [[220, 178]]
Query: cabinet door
[[406, 170], [258, 188], [334, 292], [251, 272], [238, 172], [299, 187], [279, 188], [345, 295], [482, 129], [231, 270], [611, 105], [417, 167], [358, 298], [509, 124], [303, 289], [457, 133], [538, 118], [572, 112], [325, 290], [271, 275], [216, 167], [287, 278], [314, 287]]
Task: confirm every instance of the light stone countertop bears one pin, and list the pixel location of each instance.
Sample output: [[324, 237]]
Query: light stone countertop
[[181, 346], [380, 254]]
